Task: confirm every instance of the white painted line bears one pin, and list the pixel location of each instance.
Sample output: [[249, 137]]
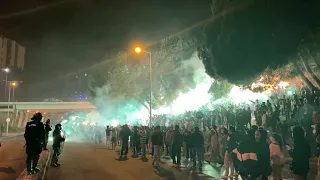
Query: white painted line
[[21, 175], [45, 168]]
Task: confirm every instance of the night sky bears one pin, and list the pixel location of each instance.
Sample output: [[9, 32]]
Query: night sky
[[66, 36]]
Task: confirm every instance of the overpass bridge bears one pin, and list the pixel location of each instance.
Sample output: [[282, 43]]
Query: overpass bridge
[[21, 112], [39, 106]]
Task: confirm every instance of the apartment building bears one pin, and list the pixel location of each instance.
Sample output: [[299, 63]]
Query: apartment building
[[12, 54]]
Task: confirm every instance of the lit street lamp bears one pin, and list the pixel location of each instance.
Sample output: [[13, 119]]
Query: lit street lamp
[[14, 85], [138, 50]]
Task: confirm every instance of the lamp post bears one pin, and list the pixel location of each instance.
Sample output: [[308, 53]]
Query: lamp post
[[8, 113], [138, 50], [6, 70], [14, 84]]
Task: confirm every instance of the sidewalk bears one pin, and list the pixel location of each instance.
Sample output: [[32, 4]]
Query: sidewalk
[[12, 134]]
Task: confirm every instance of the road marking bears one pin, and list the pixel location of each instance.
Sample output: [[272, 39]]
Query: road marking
[[24, 176], [21, 175], [45, 168]]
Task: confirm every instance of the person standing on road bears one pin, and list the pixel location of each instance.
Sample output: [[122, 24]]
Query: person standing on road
[[34, 136], [187, 139], [276, 156], [197, 144], [176, 145], [124, 135], [229, 156], [157, 142], [135, 141], [56, 146], [47, 129], [263, 154], [143, 141], [300, 153], [168, 140], [97, 134], [113, 138], [108, 132]]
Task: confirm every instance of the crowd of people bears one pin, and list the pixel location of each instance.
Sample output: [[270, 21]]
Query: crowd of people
[[247, 141]]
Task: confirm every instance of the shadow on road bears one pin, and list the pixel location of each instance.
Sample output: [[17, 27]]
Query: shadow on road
[[144, 159], [164, 173], [8, 170]]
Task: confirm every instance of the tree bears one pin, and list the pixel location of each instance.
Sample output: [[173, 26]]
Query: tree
[[243, 42], [124, 80], [220, 88]]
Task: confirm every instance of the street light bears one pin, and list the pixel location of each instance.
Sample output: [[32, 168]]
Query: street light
[[14, 85], [6, 70], [139, 50]]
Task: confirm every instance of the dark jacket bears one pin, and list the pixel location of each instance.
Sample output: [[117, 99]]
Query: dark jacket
[[135, 136], [57, 138], [34, 132], [157, 138], [197, 140], [125, 133], [300, 158], [232, 142], [247, 166], [187, 139], [263, 153], [108, 130], [47, 129], [177, 138], [34, 136]]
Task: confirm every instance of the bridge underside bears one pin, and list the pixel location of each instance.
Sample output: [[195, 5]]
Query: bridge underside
[[21, 112]]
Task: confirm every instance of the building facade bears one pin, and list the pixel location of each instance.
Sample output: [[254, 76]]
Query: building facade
[[12, 54]]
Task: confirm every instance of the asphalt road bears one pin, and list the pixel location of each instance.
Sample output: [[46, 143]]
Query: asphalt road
[[12, 158], [88, 161]]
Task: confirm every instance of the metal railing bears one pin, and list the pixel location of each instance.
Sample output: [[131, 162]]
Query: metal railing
[[49, 100]]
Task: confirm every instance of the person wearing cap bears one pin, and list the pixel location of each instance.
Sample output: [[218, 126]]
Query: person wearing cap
[[47, 129], [57, 140], [34, 136]]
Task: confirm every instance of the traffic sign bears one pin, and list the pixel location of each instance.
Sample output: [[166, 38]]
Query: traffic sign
[[8, 120]]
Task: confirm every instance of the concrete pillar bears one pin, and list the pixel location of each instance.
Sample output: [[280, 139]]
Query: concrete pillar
[[15, 117], [21, 116], [26, 119]]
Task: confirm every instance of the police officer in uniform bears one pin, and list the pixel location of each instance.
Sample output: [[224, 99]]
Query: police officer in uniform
[[34, 135], [56, 146]]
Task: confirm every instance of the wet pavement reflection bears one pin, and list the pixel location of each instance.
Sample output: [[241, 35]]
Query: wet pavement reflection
[[215, 171]]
